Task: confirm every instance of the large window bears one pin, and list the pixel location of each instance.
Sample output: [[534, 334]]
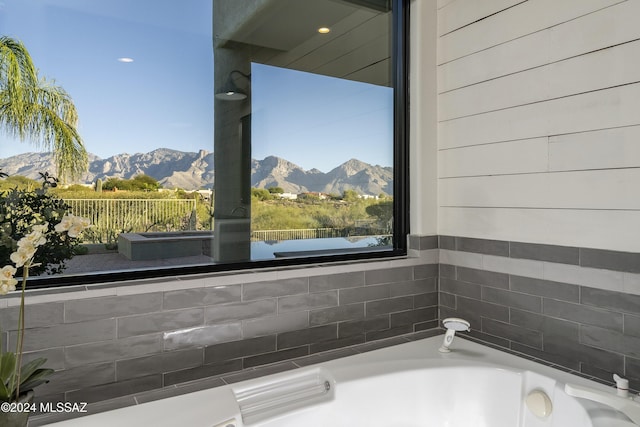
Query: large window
[[218, 133]]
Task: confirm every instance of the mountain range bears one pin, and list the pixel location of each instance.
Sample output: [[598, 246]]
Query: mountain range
[[190, 171]]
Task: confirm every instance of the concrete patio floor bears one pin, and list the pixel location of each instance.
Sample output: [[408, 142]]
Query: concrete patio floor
[[113, 261]]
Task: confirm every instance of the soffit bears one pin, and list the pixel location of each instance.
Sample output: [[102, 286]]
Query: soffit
[[284, 33]]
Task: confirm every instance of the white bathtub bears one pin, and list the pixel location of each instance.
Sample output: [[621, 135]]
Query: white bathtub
[[406, 385]]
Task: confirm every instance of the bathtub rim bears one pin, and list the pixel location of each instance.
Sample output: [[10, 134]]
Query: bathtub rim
[[417, 353]]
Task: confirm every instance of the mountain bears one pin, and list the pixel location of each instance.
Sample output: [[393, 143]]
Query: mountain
[[276, 172], [359, 176], [188, 170], [174, 169]]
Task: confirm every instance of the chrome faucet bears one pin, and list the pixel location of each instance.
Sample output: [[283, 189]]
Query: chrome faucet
[[452, 324], [620, 401]]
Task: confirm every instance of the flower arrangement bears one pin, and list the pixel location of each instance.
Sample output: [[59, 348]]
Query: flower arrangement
[[16, 379], [36, 234]]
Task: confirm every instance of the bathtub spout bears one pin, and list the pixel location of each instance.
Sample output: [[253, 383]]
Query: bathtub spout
[[452, 324], [626, 405]]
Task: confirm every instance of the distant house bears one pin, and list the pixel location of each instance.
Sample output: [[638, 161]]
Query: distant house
[[205, 194], [314, 195], [289, 196]]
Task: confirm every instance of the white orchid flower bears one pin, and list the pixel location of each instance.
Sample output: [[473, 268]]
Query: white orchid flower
[[64, 224], [7, 272], [75, 230], [73, 224], [23, 255], [35, 238], [7, 281], [41, 228], [5, 287]]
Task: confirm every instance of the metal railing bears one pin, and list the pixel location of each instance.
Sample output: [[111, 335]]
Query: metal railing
[[110, 217], [295, 234], [362, 228]]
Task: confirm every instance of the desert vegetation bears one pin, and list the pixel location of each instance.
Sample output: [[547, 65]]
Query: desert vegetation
[[121, 205]]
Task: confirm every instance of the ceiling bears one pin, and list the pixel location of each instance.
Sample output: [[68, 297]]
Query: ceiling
[[284, 33]]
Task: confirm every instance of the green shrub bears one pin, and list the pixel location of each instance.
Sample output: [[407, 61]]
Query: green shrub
[[140, 182], [20, 209], [260, 194], [17, 181], [275, 190]]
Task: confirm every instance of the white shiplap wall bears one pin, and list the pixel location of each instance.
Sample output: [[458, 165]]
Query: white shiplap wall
[[539, 121]]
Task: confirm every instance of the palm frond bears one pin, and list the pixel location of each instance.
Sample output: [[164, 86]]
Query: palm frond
[[17, 72], [37, 110], [52, 124]]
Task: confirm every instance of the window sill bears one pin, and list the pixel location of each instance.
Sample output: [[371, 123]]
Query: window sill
[[172, 282]]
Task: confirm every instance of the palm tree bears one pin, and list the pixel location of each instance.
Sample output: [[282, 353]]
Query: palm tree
[[32, 108]]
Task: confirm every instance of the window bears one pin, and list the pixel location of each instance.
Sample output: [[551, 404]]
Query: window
[[222, 133]]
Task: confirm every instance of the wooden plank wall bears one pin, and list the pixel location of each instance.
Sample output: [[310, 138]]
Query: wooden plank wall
[[539, 121]]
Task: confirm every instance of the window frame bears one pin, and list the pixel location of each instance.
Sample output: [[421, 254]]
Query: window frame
[[401, 214]]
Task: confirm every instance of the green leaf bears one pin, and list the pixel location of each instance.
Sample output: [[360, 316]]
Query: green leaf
[[7, 372], [5, 394], [29, 368], [31, 375], [7, 366], [37, 378]]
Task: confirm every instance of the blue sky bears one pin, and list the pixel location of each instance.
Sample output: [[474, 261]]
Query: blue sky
[[318, 120], [164, 98]]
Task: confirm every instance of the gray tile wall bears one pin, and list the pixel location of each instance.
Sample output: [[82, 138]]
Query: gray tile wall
[[583, 324], [110, 346]]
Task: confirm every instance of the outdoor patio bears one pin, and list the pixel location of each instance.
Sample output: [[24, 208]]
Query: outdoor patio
[[113, 261]]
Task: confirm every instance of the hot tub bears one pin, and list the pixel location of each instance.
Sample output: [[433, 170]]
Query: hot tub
[[162, 245], [407, 385]]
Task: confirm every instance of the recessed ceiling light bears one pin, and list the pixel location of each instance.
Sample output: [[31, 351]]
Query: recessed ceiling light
[[324, 30], [125, 59]]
